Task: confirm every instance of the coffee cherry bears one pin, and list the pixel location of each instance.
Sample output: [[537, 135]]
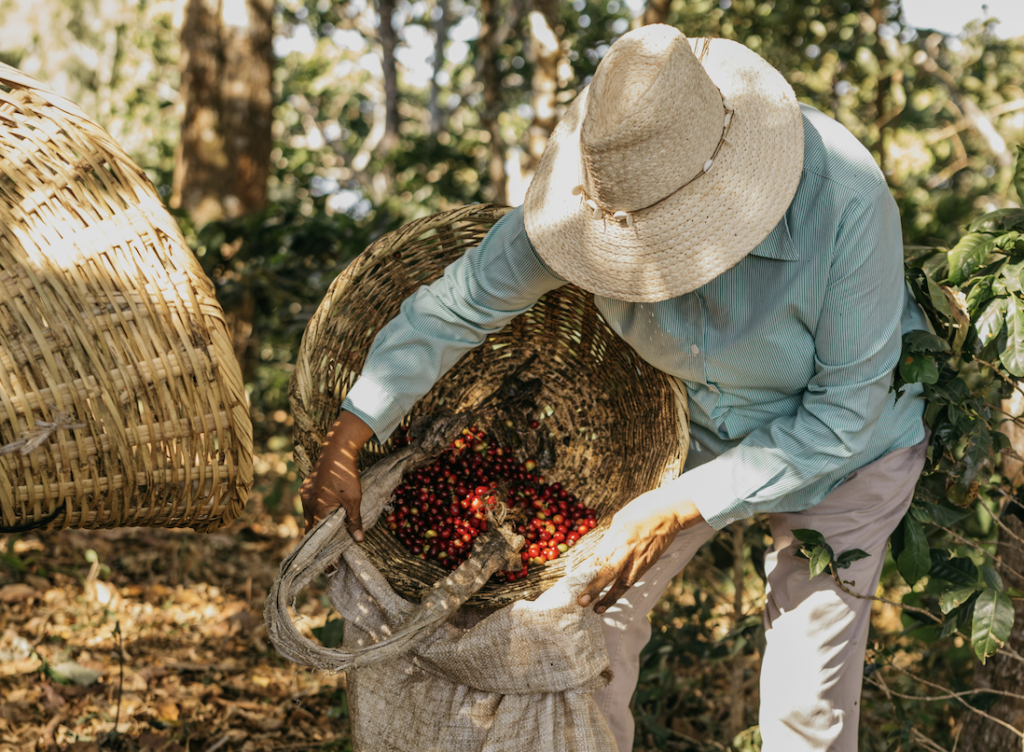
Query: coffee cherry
[[449, 498]]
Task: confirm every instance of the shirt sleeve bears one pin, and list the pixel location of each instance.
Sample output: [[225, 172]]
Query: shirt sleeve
[[477, 296], [857, 345]]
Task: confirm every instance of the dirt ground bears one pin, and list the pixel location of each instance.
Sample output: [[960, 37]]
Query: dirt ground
[[145, 639]]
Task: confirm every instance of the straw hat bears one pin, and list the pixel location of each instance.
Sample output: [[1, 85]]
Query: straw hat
[[675, 163]]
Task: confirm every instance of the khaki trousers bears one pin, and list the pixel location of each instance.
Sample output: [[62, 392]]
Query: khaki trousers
[[812, 667]]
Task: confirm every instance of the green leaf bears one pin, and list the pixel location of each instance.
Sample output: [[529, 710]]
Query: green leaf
[[938, 298], [846, 558], [958, 571], [914, 560], [1000, 220], [1009, 242], [1013, 356], [965, 476], [993, 620], [922, 341], [330, 634], [959, 317], [920, 513], [953, 598], [960, 617], [748, 741], [810, 537], [820, 558], [1011, 274], [940, 515], [981, 291], [936, 267], [990, 322], [919, 368], [970, 254], [991, 578]]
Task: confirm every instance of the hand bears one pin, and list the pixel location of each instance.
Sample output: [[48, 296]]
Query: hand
[[335, 479], [638, 536]]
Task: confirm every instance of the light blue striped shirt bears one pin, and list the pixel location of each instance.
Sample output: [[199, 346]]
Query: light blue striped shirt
[[788, 356]]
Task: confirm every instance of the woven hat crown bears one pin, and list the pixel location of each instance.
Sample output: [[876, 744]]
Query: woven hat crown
[[653, 117]]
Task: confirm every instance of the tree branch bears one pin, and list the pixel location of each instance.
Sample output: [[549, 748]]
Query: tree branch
[[904, 606], [953, 695]]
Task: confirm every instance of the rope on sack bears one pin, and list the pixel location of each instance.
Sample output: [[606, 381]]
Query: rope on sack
[[329, 540]]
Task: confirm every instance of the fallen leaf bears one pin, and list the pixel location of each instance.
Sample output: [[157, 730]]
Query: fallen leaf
[[167, 712], [54, 699], [271, 724], [39, 583], [149, 740], [246, 620], [18, 591], [23, 666], [75, 672], [103, 592], [300, 714]]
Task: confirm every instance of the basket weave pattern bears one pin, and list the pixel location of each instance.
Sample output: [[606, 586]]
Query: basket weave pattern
[[616, 426], [121, 402]]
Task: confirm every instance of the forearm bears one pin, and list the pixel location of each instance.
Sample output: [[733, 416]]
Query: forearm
[[345, 438], [477, 296]]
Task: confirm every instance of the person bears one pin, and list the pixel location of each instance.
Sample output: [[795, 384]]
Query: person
[[748, 245]]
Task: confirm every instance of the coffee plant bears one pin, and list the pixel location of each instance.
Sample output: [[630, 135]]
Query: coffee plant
[[973, 296]]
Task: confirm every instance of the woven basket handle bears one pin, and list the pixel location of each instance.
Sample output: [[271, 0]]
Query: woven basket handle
[[329, 540]]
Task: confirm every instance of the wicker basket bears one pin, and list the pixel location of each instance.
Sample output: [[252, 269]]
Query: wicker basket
[[618, 425], [121, 402]]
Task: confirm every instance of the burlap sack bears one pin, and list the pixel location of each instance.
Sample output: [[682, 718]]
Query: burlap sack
[[518, 680], [427, 677]]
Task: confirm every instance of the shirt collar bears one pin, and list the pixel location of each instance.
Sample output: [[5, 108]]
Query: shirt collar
[[779, 244]]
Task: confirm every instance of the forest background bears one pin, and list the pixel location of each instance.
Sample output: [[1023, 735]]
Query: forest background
[[286, 136]]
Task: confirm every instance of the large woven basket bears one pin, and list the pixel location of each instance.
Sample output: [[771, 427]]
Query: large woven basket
[[121, 402], [619, 425]]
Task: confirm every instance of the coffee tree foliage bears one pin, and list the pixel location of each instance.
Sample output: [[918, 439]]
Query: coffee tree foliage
[[973, 297], [940, 113]]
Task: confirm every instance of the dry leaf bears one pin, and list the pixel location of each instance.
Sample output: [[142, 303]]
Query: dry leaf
[[150, 741], [167, 712], [54, 699], [39, 583], [76, 672], [17, 591]]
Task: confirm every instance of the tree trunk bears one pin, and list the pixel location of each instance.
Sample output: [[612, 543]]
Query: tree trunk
[[441, 30], [546, 48], [223, 160], [388, 42], [1002, 672], [490, 41], [656, 11], [224, 155]]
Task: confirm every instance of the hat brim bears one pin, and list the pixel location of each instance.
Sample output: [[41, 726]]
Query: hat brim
[[701, 230]]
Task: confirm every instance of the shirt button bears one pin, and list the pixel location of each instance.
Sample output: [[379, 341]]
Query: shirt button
[[695, 350]]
